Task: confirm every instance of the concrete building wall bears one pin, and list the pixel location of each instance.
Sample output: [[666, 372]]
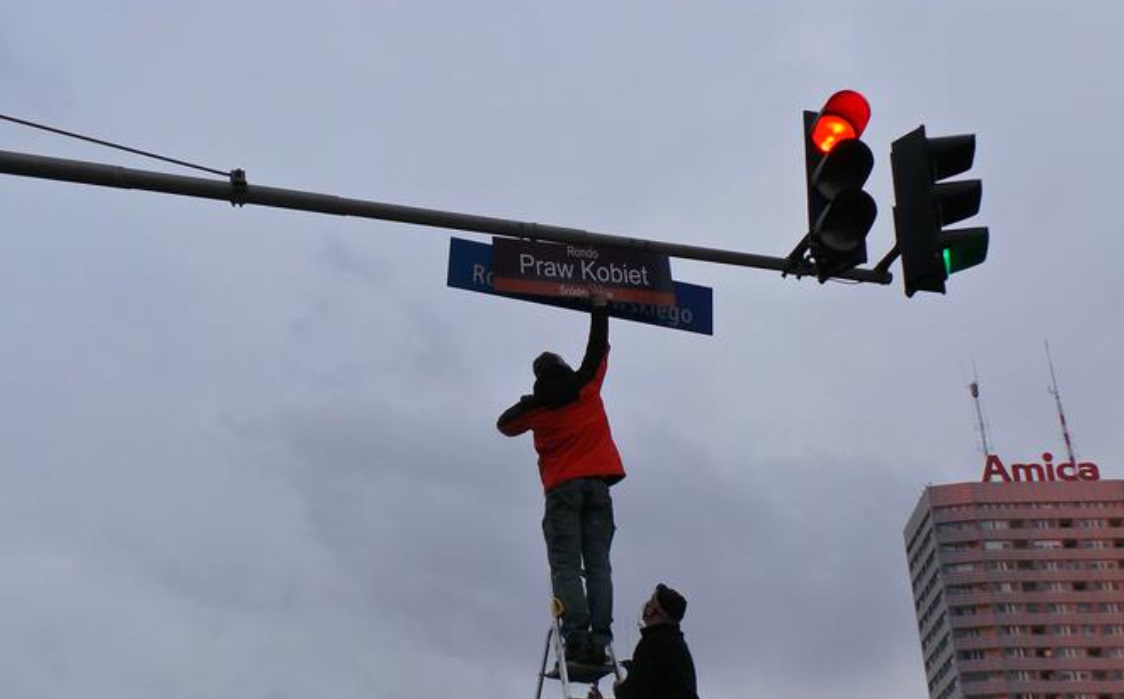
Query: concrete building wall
[[1019, 589]]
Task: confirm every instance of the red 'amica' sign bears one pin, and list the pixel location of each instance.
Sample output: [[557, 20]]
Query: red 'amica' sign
[[1045, 471]]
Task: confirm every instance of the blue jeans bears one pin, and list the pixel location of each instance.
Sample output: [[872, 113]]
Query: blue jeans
[[578, 526]]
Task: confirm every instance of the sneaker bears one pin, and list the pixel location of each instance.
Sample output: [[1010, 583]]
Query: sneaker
[[594, 655], [575, 655], [575, 652]]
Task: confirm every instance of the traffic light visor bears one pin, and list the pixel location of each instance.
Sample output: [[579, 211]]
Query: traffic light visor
[[844, 115], [964, 248], [846, 167]]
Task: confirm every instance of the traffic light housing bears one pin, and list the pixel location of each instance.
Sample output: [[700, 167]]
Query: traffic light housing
[[837, 165], [923, 205]]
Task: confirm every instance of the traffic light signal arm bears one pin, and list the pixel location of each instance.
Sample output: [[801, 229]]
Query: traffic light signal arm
[[98, 174]]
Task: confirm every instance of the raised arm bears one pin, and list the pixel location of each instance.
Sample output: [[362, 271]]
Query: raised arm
[[598, 343]]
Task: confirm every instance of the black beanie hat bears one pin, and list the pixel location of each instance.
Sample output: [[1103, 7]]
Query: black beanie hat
[[549, 364], [672, 602]]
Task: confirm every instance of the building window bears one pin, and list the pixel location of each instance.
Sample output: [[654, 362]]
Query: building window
[[1096, 544]]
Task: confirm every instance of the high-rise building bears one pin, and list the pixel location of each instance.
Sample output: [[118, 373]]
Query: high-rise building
[[1018, 583]]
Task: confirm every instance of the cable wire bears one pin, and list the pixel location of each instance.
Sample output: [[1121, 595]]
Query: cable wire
[[100, 142]]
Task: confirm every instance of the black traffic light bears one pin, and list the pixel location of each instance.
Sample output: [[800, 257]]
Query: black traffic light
[[837, 165], [923, 205]]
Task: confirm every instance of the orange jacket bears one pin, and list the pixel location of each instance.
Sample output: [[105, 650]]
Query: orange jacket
[[573, 440]]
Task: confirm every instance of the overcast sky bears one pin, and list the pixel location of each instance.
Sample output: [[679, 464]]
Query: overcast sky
[[250, 453]]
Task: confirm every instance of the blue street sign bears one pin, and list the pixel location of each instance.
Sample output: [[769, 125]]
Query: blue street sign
[[470, 267]]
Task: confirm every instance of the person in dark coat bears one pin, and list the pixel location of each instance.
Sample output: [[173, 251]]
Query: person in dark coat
[[661, 666], [578, 462]]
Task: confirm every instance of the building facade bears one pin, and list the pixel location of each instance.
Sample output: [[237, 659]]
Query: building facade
[[1019, 584]]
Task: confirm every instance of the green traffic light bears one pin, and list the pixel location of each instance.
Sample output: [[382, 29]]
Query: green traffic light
[[964, 248]]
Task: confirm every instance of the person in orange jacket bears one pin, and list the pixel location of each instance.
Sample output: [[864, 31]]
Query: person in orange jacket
[[578, 462]]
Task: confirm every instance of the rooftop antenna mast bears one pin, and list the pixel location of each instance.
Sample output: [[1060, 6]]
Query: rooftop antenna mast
[[974, 387], [1058, 401]]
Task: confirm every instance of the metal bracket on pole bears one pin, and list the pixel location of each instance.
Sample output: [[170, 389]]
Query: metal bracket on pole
[[797, 258], [238, 187], [884, 264]]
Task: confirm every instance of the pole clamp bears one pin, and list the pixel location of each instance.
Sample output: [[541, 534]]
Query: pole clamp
[[238, 187]]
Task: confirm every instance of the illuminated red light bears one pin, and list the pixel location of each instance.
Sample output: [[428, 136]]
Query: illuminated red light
[[830, 130], [844, 116]]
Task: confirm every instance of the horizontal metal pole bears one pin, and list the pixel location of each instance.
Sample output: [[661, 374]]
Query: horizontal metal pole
[[83, 172]]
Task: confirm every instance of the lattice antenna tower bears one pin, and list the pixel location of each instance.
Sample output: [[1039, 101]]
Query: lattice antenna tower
[[1058, 402], [981, 426]]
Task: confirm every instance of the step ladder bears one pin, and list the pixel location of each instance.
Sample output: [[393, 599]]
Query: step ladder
[[568, 673]]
